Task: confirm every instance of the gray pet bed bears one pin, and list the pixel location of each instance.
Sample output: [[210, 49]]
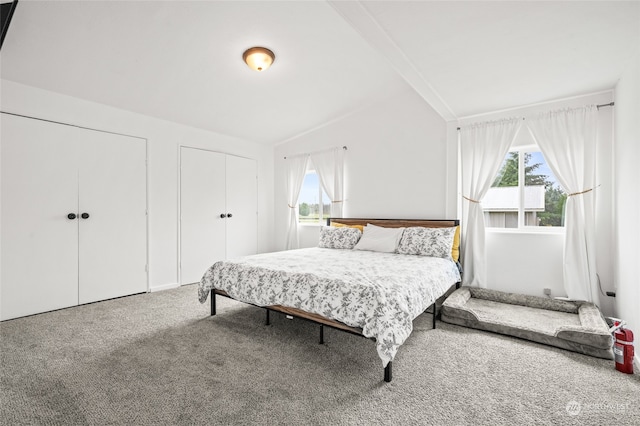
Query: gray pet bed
[[575, 326]]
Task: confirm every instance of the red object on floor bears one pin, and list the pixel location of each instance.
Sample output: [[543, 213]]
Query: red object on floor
[[623, 350]]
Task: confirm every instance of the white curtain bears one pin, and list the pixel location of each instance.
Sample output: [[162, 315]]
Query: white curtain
[[296, 170], [329, 166], [483, 147], [567, 139]]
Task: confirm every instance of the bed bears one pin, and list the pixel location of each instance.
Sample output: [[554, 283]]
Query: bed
[[348, 284]]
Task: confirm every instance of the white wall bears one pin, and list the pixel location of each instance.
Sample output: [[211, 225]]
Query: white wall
[[395, 165], [402, 162], [528, 262], [626, 253], [163, 141]]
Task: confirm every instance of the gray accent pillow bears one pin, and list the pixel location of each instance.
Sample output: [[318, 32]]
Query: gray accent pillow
[[433, 242], [339, 238]]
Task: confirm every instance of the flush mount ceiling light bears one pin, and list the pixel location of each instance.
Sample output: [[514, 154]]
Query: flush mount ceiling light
[[258, 58]]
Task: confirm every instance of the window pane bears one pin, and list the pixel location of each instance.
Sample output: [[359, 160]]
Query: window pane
[[544, 199], [502, 200], [508, 174], [313, 203]]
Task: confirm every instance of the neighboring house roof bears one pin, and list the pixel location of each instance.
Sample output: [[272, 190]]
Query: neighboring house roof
[[504, 199]]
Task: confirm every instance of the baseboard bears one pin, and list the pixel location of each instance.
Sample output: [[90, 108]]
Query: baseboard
[[164, 287]]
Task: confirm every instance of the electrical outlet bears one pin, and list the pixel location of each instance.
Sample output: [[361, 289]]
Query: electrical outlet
[[547, 292]]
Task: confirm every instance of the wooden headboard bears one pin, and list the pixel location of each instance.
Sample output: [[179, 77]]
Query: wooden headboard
[[396, 223]]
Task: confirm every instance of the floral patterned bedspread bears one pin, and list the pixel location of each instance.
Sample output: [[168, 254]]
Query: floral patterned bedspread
[[381, 293]]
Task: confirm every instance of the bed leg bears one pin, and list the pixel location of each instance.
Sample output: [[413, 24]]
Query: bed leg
[[213, 303], [387, 372], [321, 334], [267, 322], [434, 314]]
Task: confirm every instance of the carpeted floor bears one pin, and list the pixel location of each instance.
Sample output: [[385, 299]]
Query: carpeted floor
[[160, 359]]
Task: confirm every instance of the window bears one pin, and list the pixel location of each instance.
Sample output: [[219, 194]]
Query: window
[[524, 194], [314, 206]]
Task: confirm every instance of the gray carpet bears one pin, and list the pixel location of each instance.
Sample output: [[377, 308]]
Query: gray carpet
[[159, 359]]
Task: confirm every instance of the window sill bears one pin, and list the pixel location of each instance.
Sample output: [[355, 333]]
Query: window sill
[[541, 230]]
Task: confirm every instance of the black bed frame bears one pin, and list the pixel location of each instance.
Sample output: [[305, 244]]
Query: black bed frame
[[322, 321]]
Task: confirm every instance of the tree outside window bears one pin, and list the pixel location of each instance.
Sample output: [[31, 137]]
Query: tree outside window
[[538, 201]]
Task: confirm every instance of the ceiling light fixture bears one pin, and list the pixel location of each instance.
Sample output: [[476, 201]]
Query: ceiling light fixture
[[258, 58]]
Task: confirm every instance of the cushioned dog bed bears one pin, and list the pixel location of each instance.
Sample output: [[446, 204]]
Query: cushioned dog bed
[[572, 325]]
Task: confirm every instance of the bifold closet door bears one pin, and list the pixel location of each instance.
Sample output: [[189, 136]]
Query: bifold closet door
[[242, 203], [202, 203], [39, 260], [112, 209], [73, 216]]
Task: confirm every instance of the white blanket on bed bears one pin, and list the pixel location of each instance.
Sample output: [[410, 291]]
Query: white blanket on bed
[[381, 293]]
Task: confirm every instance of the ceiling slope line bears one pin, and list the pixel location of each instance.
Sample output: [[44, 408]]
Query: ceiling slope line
[[357, 16], [322, 125], [337, 119]]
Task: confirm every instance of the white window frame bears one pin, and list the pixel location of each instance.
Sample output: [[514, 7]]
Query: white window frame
[[522, 228]]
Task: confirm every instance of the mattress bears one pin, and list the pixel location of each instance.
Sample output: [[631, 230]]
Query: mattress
[[381, 293]]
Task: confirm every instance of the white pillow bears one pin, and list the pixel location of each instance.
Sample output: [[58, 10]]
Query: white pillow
[[377, 238]]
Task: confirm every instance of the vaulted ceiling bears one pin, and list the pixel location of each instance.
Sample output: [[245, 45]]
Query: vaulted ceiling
[[182, 61]]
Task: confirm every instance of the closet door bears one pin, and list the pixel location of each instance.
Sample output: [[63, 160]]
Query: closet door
[[242, 205], [39, 259], [202, 202], [112, 208]]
